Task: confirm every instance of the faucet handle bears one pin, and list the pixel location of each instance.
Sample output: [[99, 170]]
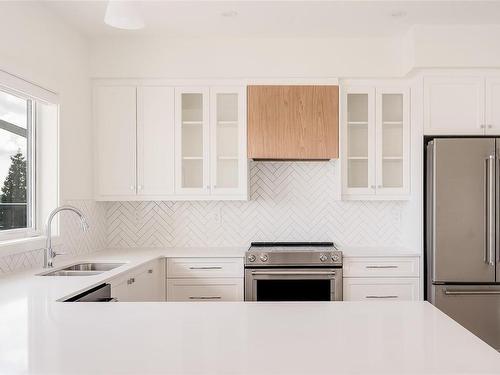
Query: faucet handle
[[54, 254]]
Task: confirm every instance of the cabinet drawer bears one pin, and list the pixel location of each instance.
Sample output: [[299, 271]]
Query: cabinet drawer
[[204, 267], [394, 289], [205, 290], [381, 267]]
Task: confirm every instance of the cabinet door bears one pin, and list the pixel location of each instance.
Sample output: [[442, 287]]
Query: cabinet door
[[205, 290], [392, 141], [390, 289], [493, 105], [120, 292], [454, 105], [192, 141], [155, 141], [358, 140], [115, 122], [228, 162]]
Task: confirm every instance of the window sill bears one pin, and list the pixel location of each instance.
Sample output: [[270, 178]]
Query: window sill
[[22, 245]]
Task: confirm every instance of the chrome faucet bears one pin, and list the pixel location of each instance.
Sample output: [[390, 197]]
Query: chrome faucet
[[50, 254]]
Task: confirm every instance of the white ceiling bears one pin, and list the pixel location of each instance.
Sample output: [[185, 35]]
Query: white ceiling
[[279, 18]]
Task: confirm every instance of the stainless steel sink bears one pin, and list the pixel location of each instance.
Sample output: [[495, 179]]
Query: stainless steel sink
[[83, 269], [92, 267]]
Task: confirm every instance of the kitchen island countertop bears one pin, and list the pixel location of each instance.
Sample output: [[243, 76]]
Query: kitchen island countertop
[[42, 336]]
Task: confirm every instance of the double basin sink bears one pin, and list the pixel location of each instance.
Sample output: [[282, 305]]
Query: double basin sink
[[83, 269]]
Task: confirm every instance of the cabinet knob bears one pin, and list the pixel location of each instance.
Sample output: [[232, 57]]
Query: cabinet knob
[[379, 186], [150, 271], [482, 126], [139, 187], [372, 186], [490, 126], [132, 187]]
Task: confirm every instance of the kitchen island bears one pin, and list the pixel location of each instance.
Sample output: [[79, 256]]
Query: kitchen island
[[43, 336]]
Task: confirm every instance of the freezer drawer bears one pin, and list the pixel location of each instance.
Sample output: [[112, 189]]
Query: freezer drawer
[[476, 307]]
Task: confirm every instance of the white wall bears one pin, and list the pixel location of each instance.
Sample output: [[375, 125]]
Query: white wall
[[421, 47], [246, 57], [37, 46], [456, 46]]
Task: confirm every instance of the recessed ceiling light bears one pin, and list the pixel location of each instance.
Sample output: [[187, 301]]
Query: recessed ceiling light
[[398, 14], [229, 13], [123, 15]]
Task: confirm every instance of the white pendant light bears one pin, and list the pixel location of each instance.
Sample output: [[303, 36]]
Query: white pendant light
[[123, 15]]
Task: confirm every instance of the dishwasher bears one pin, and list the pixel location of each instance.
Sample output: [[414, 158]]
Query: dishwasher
[[100, 293]]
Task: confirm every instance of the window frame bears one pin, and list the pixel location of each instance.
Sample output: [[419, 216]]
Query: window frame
[[31, 229]]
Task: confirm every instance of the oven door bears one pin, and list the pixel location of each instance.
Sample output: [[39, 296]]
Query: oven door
[[293, 284]]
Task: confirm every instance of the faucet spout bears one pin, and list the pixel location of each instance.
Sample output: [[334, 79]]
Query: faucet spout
[[49, 254]]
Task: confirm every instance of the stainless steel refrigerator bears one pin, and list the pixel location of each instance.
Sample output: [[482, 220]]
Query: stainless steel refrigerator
[[462, 232]]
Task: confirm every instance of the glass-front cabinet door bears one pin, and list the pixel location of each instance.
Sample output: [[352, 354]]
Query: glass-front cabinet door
[[359, 133], [228, 167], [393, 134], [192, 140], [375, 143]]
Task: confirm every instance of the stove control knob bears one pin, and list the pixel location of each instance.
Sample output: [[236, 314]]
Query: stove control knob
[[323, 258], [264, 257], [335, 257], [251, 258]]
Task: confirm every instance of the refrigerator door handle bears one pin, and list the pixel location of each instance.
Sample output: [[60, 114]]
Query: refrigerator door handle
[[470, 292], [490, 211]]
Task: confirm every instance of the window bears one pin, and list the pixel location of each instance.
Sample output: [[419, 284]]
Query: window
[[16, 163]]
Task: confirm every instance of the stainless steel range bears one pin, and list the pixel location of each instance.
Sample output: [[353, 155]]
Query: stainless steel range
[[293, 271]]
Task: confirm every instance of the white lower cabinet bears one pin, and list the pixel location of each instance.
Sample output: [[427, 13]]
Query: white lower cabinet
[[204, 279], [383, 289], [205, 290], [381, 279], [146, 283]]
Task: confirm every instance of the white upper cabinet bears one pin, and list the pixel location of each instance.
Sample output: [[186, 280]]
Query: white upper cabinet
[[462, 104], [375, 142], [493, 105], [192, 141], [115, 135], [358, 136], [228, 172], [454, 105], [155, 141], [170, 143], [392, 141]]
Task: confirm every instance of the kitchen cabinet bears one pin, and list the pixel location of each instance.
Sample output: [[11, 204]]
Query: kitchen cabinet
[[205, 290], [375, 142], [170, 143], [146, 283], [381, 278], [204, 279], [492, 106], [211, 142], [293, 122], [134, 134], [115, 121], [384, 289], [462, 104]]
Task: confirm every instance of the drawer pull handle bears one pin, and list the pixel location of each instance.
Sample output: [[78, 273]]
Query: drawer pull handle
[[150, 271], [381, 266], [206, 268], [470, 292], [380, 297], [214, 297]]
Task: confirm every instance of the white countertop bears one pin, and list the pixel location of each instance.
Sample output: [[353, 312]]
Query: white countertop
[[41, 336]]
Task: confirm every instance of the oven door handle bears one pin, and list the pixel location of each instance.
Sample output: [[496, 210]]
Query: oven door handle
[[308, 273]]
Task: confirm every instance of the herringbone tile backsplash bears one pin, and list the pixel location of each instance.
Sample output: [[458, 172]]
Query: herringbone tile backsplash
[[290, 201]]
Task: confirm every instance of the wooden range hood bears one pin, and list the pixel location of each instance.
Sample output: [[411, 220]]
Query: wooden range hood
[[293, 122]]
